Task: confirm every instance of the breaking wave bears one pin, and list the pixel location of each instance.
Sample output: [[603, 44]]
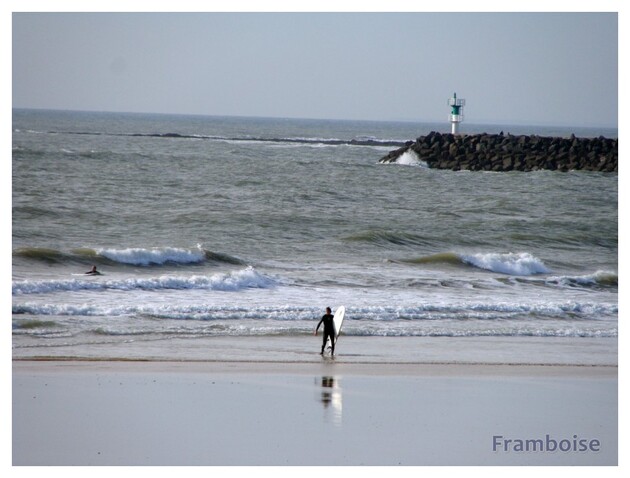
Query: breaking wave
[[599, 279], [519, 264], [155, 256], [244, 279]]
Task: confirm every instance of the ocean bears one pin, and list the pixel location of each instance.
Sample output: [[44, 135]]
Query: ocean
[[241, 231]]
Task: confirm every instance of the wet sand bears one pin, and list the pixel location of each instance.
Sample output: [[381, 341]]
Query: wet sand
[[327, 412]]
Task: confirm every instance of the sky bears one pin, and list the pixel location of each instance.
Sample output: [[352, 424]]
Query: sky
[[513, 68]]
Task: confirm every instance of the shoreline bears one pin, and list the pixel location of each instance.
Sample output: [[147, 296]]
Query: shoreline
[[558, 351], [274, 367]]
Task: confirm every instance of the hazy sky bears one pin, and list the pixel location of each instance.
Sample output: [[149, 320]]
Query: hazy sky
[[544, 68]]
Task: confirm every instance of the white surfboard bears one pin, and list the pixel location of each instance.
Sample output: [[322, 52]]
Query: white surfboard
[[337, 321]]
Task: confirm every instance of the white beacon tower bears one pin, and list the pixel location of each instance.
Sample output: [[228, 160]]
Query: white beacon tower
[[457, 112]]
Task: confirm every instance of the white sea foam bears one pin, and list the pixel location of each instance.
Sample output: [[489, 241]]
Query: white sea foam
[[428, 313], [212, 325], [522, 264]]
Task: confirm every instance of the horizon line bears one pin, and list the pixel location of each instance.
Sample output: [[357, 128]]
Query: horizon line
[[520, 123]]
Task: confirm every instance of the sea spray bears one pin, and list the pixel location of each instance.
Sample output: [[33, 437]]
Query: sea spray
[[410, 158]]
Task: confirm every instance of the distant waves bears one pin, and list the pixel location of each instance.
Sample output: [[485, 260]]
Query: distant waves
[[298, 140]]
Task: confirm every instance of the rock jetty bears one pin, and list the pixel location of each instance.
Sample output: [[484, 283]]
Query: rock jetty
[[499, 152]]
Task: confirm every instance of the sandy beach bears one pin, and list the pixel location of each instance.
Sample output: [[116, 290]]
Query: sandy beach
[[326, 412]]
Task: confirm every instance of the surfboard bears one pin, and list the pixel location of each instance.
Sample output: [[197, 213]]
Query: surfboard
[[337, 321]]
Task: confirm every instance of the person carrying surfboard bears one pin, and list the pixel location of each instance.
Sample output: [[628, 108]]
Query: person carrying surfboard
[[329, 330]]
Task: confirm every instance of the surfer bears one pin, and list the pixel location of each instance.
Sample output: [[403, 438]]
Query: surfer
[[329, 330], [93, 272]]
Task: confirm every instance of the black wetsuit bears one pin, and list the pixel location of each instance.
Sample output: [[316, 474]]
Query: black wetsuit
[[329, 330]]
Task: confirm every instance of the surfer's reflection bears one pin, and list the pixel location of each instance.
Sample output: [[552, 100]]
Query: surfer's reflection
[[331, 395]]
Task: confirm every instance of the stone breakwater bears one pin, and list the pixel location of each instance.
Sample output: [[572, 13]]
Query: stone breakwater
[[499, 152]]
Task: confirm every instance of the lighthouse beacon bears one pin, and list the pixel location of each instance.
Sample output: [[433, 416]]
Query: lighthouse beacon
[[457, 112]]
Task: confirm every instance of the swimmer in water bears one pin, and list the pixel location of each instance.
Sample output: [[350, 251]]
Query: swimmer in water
[[93, 272]]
